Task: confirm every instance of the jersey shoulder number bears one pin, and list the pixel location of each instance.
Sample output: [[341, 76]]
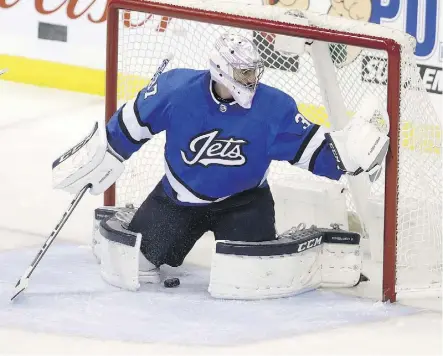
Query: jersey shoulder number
[[300, 119]]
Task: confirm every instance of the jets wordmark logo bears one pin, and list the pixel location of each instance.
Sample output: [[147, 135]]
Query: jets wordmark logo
[[207, 148]]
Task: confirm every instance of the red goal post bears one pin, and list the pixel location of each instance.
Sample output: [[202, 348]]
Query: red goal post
[[273, 25]]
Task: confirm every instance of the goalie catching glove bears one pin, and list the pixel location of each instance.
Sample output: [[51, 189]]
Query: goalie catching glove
[[90, 162], [361, 146]]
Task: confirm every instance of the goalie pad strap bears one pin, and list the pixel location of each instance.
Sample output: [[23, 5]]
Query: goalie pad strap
[[303, 240], [116, 233]]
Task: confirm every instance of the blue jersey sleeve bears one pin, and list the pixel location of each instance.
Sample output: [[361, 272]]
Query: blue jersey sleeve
[[141, 118], [302, 143]]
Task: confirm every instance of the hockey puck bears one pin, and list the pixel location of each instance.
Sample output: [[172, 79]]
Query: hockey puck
[[171, 282]]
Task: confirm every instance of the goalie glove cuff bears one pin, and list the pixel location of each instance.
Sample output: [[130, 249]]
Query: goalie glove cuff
[[335, 141]]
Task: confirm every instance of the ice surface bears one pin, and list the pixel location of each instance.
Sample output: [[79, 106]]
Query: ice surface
[[66, 295]]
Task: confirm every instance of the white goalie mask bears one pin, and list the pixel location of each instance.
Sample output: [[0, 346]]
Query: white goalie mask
[[236, 64]]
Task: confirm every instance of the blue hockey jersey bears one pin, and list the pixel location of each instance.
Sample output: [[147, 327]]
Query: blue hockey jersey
[[214, 150]]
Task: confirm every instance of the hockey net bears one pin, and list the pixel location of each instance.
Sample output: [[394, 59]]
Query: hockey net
[[366, 58]]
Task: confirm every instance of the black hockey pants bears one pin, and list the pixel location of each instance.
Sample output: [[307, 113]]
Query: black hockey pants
[[170, 231]]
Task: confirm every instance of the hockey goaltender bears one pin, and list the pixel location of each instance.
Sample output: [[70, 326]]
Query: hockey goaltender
[[222, 134]]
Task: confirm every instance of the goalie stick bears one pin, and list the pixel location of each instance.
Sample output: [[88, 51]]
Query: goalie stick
[[23, 282]]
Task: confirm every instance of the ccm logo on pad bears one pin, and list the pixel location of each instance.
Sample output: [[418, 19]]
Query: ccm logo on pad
[[310, 244]]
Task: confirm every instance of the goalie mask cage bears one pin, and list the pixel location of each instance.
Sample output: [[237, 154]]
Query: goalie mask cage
[[362, 58]]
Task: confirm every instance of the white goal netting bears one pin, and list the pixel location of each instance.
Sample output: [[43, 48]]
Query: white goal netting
[[145, 39]]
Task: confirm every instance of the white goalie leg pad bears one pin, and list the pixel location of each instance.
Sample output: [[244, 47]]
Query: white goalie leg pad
[[118, 249], [261, 277], [278, 268], [100, 214], [341, 259], [291, 265], [148, 272], [120, 255]]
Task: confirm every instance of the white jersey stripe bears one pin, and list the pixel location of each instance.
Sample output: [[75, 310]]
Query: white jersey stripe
[[313, 144], [183, 194], [137, 132]]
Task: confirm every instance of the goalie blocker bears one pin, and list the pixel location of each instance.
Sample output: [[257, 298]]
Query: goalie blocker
[[298, 261], [90, 162]]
